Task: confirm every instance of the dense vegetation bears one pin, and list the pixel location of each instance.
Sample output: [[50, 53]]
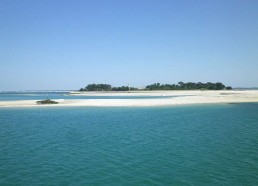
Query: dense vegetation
[[158, 86], [123, 88], [47, 101], [188, 86], [106, 87], [97, 87]]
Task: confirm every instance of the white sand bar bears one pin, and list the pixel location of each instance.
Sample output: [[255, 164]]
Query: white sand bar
[[181, 97]]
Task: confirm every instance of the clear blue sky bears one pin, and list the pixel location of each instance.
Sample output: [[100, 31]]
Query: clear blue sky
[[61, 44]]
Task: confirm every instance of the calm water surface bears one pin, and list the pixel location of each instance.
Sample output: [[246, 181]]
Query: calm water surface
[[14, 96], [181, 145]]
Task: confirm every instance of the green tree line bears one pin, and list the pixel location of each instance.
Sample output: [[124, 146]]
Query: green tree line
[[188, 86], [157, 86], [106, 87]]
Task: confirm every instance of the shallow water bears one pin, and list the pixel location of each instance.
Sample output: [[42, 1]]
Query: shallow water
[[65, 95], [178, 145]]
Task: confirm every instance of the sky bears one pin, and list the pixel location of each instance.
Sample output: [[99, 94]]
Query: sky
[[67, 44]]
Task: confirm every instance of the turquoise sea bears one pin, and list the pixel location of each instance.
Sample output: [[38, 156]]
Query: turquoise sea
[[198, 145], [14, 96]]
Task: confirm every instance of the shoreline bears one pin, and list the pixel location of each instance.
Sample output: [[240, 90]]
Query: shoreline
[[180, 98]]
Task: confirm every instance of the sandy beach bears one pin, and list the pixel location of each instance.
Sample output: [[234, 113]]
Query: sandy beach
[[165, 98]]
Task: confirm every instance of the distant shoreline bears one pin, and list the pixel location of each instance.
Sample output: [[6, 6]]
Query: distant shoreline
[[180, 98]]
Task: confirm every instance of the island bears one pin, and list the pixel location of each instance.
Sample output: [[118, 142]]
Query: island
[[157, 86]]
